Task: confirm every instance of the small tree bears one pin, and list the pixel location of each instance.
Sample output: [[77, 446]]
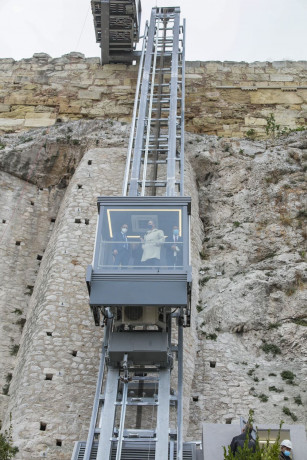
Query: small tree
[[267, 451], [7, 450]]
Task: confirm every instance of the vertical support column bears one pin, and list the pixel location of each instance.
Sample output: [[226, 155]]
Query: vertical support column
[[139, 138], [163, 415], [171, 158], [180, 390], [108, 415], [105, 31], [182, 111], [91, 431], [140, 72], [123, 411]]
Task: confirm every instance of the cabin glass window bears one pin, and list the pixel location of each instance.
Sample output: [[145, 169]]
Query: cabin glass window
[[142, 237]]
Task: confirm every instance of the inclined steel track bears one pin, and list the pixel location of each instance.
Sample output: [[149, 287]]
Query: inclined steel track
[[155, 160]]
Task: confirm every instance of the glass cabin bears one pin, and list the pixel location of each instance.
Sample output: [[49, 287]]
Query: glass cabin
[[141, 254]]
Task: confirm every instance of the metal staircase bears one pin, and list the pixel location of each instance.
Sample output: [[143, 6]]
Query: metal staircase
[[136, 413], [156, 153]]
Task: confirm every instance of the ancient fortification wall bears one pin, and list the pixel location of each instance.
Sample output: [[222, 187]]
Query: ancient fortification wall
[[222, 98]]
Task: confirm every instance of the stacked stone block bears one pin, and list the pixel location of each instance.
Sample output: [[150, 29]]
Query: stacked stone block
[[222, 98]]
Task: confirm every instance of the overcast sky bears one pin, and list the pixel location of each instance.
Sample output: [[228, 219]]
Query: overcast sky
[[236, 30]]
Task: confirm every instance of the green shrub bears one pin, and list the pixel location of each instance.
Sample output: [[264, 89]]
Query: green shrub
[[267, 451], [298, 400], [251, 133], [287, 375], [277, 390], [271, 348], [14, 349], [272, 129], [274, 325], [7, 450], [263, 397], [211, 336], [21, 322], [287, 411], [299, 321], [203, 255], [204, 280]]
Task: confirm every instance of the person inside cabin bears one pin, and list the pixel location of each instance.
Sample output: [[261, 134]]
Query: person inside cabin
[[151, 244], [120, 247], [238, 441], [174, 248], [285, 449]]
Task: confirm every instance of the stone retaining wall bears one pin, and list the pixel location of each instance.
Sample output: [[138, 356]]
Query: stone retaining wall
[[222, 98]]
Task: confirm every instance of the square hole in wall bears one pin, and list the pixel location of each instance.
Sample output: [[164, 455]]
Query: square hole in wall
[[43, 426], [80, 186], [49, 333], [195, 398], [39, 257], [87, 221], [89, 162], [228, 421], [58, 442], [74, 353], [52, 219], [49, 377], [212, 363], [32, 203], [77, 221], [3, 221], [17, 243]]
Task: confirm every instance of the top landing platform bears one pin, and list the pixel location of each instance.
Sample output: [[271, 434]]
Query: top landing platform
[[117, 26]]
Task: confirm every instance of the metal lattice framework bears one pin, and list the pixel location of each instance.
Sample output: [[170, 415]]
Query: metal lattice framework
[[156, 148]]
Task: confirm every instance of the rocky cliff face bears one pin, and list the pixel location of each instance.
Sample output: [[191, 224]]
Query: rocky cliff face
[[252, 314], [248, 349]]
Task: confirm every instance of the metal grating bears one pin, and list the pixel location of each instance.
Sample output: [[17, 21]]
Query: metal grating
[[136, 450]]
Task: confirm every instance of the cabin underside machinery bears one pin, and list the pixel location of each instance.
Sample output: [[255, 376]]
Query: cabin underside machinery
[[140, 279]]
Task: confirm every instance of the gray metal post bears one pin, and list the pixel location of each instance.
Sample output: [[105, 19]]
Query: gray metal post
[[163, 415], [136, 165], [171, 158], [105, 31], [123, 412], [153, 74], [107, 419], [182, 111], [91, 431], [128, 161], [180, 390]]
